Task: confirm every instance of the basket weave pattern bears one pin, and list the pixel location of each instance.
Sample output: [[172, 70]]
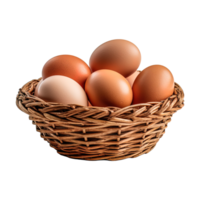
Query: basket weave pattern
[[99, 133]]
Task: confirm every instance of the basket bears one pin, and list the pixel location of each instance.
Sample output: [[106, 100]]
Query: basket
[[99, 133]]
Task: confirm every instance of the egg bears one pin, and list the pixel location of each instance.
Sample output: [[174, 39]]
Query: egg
[[132, 78], [61, 89], [118, 55], [89, 104], [37, 87], [155, 83], [67, 65], [108, 88]]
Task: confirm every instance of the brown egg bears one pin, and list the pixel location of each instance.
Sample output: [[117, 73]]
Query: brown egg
[[132, 78], [121, 56], [108, 88], [89, 104], [67, 65], [155, 83]]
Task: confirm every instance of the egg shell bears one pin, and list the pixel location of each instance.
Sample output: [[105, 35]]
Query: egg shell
[[132, 78], [89, 104], [67, 65], [108, 88], [61, 89], [155, 83], [37, 87], [118, 55]]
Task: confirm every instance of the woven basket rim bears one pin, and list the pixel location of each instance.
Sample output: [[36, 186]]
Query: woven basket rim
[[27, 89]]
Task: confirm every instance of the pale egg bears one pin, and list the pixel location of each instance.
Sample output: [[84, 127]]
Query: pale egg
[[61, 89]]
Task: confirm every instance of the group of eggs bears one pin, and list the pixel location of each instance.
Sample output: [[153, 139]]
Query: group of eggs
[[111, 80]]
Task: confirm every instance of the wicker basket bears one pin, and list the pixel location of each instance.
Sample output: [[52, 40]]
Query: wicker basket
[[99, 133]]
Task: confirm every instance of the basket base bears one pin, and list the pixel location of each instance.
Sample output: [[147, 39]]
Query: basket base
[[104, 160], [77, 156]]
